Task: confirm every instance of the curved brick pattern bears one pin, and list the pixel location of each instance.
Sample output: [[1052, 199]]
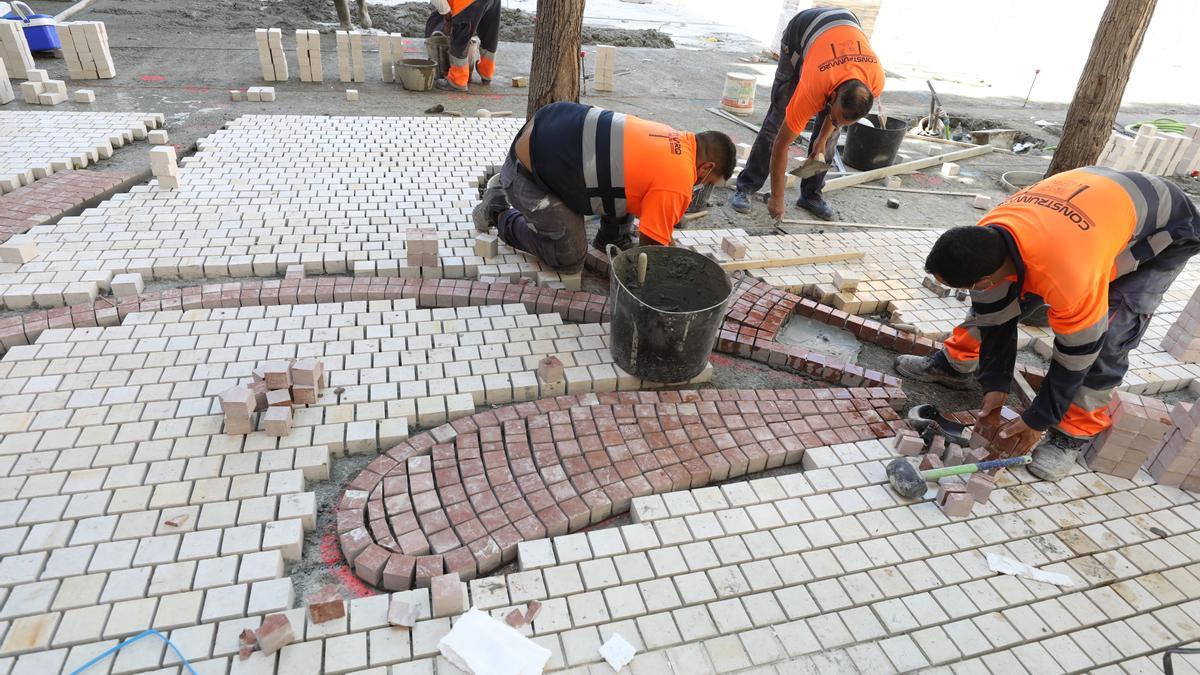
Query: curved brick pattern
[[460, 498], [59, 195], [574, 306]]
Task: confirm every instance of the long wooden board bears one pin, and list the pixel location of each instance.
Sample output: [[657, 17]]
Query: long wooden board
[[790, 262], [905, 167]]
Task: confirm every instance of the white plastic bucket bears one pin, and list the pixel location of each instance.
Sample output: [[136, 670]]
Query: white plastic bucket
[[738, 96]]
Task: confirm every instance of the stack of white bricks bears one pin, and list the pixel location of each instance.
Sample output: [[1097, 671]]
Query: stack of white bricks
[[350, 56], [1176, 459], [1138, 426], [422, 247], [15, 50], [1183, 337], [260, 94], [270, 54], [308, 54], [163, 166], [391, 53], [1154, 152], [6, 90], [85, 49], [41, 90]]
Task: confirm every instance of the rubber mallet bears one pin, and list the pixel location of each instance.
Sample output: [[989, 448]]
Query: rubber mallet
[[909, 483]]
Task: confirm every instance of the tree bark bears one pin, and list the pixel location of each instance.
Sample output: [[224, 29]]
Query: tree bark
[[1102, 83], [554, 73]]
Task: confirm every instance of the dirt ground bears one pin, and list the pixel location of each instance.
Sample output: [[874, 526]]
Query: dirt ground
[[407, 19]]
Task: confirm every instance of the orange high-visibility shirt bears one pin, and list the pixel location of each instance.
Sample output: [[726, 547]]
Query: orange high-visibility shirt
[[607, 163], [660, 172], [839, 54]]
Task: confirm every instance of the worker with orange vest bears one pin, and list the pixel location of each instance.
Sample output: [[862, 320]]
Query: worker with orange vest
[[1100, 247], [826, 68], [461, 20], [572, 160]]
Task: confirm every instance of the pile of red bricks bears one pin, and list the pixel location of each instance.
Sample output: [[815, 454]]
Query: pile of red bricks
[[459, 498], [276, 387], [1176, 458], [1139, 424]]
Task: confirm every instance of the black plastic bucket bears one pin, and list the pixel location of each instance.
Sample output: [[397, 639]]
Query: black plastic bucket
[[871, 147], [664, 330]]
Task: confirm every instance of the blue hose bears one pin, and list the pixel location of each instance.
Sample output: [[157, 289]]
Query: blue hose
[[135, 638]]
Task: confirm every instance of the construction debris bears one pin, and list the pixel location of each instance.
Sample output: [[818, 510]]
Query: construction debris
[[480, 644]]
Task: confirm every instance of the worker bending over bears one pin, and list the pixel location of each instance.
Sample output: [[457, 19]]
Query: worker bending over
[[572, 160], [461, 20], [826, 68], [1100, 247]]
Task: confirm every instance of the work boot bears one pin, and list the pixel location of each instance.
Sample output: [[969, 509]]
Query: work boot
[[490, 206], [817, 206], [623, 241], [1055, 455], [446, 85], [931, 369], [740, 202]]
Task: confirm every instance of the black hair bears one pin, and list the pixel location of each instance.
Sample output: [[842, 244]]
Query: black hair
[[855, 97], [719, 149], [964, 255]]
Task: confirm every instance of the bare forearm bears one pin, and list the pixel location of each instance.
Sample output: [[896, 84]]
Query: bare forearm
[[779, 161]]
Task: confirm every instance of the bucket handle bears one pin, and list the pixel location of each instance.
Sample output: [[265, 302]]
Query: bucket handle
[[21, 9], [609, 249]]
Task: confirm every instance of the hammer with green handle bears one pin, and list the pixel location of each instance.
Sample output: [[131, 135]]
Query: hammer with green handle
[[909, 483]]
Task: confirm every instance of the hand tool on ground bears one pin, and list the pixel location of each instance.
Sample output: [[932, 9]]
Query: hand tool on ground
[[926, 416], [909, 483], [812, 166], [485, 113]]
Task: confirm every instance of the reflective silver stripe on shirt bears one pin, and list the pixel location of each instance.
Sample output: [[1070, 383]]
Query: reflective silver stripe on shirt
[[1092, 399], [616, 162], [1089, 335], [1010, 312], [813, 32], [589, 156]]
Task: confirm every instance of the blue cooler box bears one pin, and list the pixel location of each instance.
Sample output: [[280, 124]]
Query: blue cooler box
[[39, 29]]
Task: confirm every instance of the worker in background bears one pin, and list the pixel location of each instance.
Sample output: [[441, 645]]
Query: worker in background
[[461, 20], [1100, 247], [572, 160], [826, 68]]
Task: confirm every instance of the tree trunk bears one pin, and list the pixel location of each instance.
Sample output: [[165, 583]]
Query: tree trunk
[[1102, 83], [554, 73]]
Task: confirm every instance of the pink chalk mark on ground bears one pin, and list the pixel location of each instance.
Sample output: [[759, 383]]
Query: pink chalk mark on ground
[[331, 554], [196, 89], [152, 78]]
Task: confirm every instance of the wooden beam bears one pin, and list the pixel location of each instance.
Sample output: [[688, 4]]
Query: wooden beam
[[916, 191], [947, 141], [790, 262], [905, 167], [835, 223]]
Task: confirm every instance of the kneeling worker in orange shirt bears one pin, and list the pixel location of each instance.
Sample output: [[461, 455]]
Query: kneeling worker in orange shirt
[[573, 160]]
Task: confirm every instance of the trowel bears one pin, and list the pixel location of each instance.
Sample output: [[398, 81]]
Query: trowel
[[812, 166]]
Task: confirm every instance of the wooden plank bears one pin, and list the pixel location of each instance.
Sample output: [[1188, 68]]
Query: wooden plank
[[876, 226], [947, 141], [790, 262], [916, 191], [905, 167]]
